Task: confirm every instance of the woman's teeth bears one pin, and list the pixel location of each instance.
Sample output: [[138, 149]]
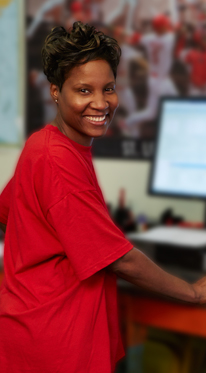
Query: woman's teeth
[[97, 119]]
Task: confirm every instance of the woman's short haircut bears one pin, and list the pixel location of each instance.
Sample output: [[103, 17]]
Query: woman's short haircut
[[64, 50]]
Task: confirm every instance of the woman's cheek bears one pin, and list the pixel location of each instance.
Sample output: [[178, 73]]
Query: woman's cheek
[[80, 105], [116, 102]]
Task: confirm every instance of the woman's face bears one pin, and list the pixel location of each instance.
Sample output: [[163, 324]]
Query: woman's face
[[87, 101]]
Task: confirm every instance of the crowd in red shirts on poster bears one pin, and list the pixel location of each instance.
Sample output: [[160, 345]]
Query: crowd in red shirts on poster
[[170, 60], [161, 56]]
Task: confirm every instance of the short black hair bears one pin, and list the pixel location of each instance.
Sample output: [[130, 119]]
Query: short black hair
[[64, 50]]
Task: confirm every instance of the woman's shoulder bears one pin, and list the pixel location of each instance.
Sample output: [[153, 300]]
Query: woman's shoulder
[[49, 141], [36, 141], [65, 153], [70, 162], [49, 150], [54, 166]]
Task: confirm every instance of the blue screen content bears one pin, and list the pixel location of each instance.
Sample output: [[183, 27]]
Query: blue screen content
[[180, 160]]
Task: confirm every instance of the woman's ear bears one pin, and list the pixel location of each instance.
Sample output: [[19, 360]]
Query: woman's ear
[[54, 91]]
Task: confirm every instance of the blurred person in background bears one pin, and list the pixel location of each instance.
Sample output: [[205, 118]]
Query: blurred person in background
[[58, 304], [195, 60], [185, 38], [181, 80], [128, 53], [159, 46], [190, 10], [75, 12], [147, 9], [145, 92], [84, 11]]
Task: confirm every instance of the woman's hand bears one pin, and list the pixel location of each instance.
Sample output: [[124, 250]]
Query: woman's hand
[[200, 290]]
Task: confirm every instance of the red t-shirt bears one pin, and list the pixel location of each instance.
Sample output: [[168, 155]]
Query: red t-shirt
[[58, 306], [5, 202], [197, 61]]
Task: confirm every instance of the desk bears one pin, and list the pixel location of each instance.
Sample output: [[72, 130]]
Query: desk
[[137, 306], [150, 310], [185, 346]]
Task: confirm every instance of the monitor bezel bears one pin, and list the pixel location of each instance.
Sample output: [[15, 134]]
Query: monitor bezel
[[156, 144]]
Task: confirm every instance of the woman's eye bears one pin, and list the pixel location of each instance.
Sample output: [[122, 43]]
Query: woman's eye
[[84, 90], [109, 89]]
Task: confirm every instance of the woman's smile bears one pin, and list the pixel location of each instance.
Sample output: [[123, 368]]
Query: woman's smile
[[97, 120]]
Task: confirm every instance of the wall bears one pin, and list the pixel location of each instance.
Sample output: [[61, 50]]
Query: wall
[[9, 154], [8, 159], [133, 176]]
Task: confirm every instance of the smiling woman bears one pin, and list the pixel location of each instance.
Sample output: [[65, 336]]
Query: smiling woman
[[58, 302], [58, 306]]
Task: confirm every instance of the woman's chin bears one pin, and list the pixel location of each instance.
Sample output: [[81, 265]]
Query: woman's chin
[[99, 134]]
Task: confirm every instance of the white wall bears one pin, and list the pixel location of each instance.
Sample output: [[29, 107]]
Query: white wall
[[8, 159], [133, 176]]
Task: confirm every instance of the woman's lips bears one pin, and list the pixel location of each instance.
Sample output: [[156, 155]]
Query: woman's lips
[[96, 120]]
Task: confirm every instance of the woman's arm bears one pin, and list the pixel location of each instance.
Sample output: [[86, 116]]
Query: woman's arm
[[138, 269]]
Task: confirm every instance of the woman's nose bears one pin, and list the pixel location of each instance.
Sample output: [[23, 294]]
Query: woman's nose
[[99, 103]]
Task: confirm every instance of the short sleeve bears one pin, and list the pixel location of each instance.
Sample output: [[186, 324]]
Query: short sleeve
[[88, 236], [5, 198]]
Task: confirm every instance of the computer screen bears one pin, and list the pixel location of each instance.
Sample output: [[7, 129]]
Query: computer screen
[[179, 164]]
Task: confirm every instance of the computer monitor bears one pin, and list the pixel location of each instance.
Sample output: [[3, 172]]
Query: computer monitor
[[179, 164]]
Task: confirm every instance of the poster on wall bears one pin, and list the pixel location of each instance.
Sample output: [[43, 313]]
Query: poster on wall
[[11, 131], [163, 45]]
